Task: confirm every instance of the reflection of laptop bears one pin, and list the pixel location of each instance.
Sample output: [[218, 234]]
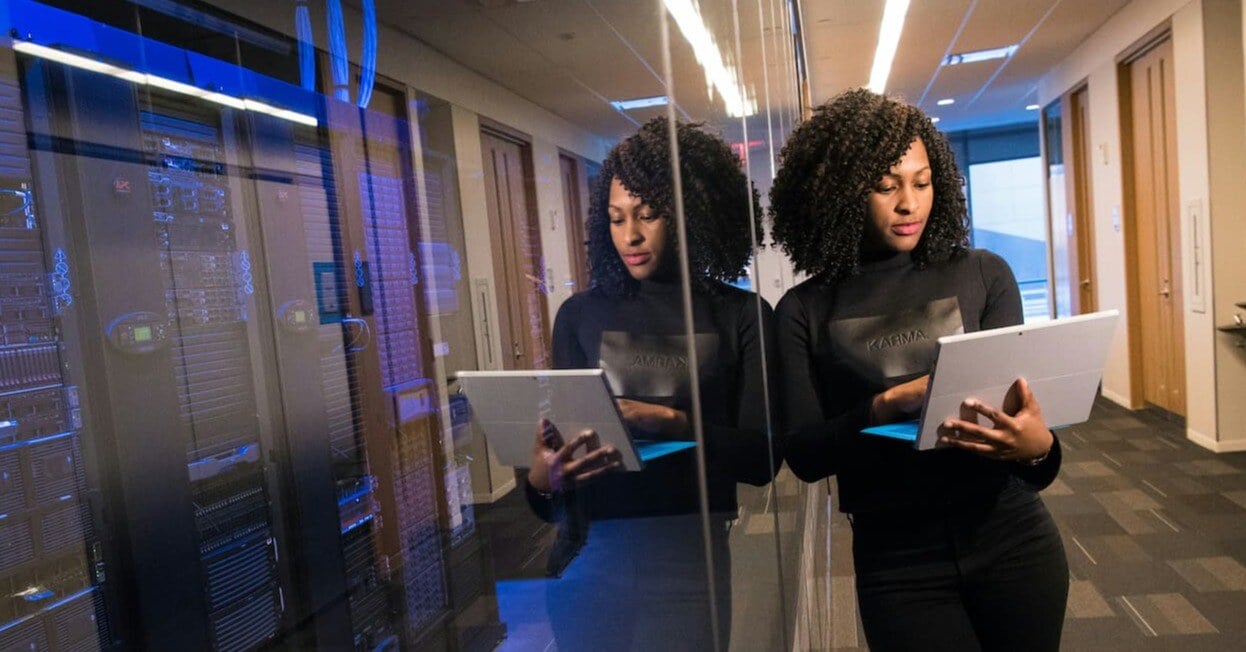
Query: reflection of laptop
[[507, 405], [1062, 360]]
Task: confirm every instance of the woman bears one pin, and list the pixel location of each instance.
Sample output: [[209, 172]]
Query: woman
[[644, 563], [953, 548]]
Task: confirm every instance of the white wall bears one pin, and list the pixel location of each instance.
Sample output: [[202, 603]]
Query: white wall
[[1193, 183]]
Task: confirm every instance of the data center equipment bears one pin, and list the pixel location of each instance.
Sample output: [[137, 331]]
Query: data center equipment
[[221, 425]]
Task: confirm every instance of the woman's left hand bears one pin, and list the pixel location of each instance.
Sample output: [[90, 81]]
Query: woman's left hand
[[1017, 434], [653, 419]]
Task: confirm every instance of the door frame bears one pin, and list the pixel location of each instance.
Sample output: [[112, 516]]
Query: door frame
[[1129, 228], [507, 300]]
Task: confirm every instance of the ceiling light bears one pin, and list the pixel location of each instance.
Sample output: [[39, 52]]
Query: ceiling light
[[980, 55], [1031, 107], [640, 103], [133, 76], [935, 120], [946, 102], [888, 41], [718, 75]]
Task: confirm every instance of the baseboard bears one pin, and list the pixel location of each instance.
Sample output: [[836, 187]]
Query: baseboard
[[498, 493], [1116, 398], [1234, 446]]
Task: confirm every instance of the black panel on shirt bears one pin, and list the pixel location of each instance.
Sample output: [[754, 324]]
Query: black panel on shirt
[[639, 340], [654, 368], [841, 342]]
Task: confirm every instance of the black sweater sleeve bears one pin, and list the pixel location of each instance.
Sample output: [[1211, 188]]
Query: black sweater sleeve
[[750, 451], [814, 442], [1003, 297]]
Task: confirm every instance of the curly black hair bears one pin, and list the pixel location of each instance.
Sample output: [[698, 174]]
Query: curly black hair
[[716, 196], [830, 164]]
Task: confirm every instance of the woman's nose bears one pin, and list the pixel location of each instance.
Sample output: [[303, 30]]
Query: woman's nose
[[904, 201], [633, 233]]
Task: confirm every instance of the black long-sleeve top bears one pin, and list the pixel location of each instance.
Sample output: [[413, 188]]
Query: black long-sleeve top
[[640, 342], [841, 342]]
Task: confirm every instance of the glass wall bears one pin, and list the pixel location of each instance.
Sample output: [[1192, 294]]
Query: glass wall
[[338, 326]]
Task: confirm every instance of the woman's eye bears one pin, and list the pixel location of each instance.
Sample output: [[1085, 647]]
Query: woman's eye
[[616, 221], [649, 217], [884, 189], [923, 186]]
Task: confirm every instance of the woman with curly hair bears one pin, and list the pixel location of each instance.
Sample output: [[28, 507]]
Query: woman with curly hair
[[644, 563], [953, 548]]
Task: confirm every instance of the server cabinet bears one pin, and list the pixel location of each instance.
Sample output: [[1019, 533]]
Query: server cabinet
[[52, 569], [249, 428], [172, 355]]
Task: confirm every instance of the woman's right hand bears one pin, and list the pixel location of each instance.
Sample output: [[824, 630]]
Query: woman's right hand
[[898, 402], [554, 468]]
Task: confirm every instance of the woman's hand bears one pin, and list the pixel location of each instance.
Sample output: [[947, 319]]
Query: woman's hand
[[1019, 433], [554, 468], [653, 419], [900, 401]]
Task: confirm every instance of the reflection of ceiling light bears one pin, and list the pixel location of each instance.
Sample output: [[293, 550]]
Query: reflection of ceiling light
[[1031, 107], [980, 55], [718, 75], [946, 102], [888, 41], [133, 76], [935, 120], [640, 103]]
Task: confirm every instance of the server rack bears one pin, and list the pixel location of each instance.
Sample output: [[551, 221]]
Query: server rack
[[51, 570], [255, 385]]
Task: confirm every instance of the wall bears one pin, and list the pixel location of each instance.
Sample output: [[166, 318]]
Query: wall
[[1208, 86], [1223, 22], [1194, 188]]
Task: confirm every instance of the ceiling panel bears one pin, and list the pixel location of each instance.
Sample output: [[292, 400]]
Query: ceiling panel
[[573, 56]]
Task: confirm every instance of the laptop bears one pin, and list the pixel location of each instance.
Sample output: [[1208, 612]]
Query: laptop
[[1062, 360], [507, 406]]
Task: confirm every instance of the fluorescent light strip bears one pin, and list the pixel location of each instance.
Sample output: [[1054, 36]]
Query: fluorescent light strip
[[946, 102], [1031, 107], [981, 55], [133, 76], [640, 103], [717, 74], [888, 41]]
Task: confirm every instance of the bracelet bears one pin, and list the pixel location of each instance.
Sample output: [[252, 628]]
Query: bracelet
[[1038, 460]]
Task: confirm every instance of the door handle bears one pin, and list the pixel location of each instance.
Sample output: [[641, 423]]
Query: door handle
[[1085, 282]]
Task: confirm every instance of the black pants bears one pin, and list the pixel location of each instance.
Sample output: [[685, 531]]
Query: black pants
[[990, 576]]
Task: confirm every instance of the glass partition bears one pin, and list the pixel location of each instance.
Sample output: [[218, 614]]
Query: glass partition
[[372, 326]]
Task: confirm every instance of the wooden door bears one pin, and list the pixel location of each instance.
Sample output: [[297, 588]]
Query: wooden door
[[1154, 238], [517, 261], [1081, 226], [574, 190]]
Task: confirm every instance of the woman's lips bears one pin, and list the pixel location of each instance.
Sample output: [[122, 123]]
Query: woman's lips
[[636, 260], [909, 228]]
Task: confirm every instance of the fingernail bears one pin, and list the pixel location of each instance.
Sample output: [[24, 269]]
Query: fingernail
[[971, 403], [947, 424]]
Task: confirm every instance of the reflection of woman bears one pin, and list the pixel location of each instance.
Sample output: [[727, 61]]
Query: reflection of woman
[[953, 548], [644, 562]]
